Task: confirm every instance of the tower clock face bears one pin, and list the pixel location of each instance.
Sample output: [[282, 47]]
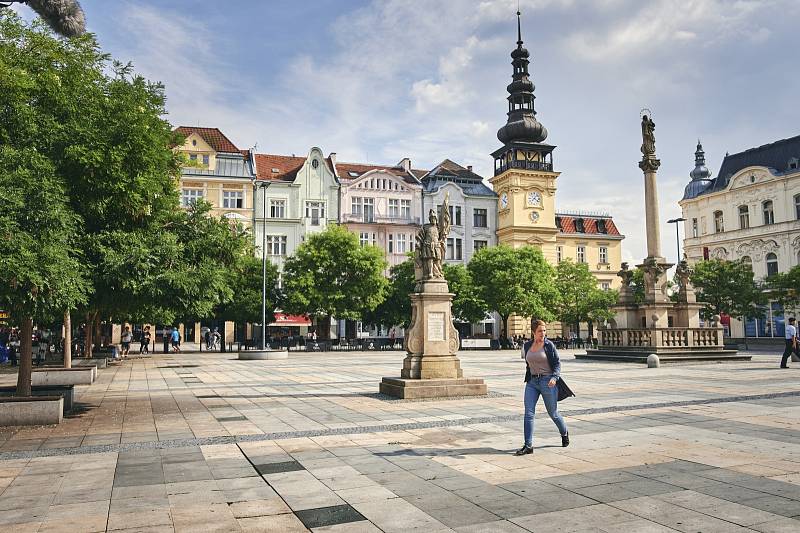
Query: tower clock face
[[503, 201], [534, 216], [534, 199]]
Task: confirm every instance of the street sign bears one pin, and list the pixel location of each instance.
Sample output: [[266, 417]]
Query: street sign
[[4, 315]]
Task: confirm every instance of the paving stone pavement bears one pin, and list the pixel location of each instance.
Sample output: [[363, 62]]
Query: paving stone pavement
[[203, 442]]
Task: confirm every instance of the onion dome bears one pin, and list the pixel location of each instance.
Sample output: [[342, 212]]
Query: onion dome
[[522, 125], [701, 176]]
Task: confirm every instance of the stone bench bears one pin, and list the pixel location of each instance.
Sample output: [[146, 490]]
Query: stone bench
[[65, 391], [263, 355], [84, 375], [31, 411]]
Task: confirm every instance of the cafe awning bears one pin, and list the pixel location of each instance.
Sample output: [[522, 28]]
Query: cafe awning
[[284, 320]]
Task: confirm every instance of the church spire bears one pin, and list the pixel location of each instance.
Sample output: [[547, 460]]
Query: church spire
[[522, 125]]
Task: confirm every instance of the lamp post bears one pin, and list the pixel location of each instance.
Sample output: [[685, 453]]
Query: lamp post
[[263, 185], [676, 221]]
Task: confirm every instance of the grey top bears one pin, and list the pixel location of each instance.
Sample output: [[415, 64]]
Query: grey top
[[537, 361]]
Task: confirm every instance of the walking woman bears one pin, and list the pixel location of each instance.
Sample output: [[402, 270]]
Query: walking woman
[[542, 372]]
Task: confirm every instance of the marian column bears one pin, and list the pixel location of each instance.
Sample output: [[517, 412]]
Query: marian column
[[649, 165]]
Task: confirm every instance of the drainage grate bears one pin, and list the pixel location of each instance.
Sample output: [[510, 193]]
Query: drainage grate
[[328, 516]]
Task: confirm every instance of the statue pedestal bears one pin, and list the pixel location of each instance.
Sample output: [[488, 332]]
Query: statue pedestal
[[432, 369]]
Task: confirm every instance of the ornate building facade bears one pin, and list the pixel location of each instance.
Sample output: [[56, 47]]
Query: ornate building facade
[[525, 181], [750, 212]]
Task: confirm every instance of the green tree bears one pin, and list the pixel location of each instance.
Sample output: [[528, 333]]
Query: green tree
[[784, 287], [727, 287], [331, 274], [515, 281], [244, 280], [40, 274], [581, 300], [395, 309], [467, 306]]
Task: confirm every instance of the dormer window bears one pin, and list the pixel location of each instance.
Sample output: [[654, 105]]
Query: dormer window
[[194, 142], [793, 163], [579, 225], [275, 170], [601, 226], [353, 174], [314, 163], [558, 223]]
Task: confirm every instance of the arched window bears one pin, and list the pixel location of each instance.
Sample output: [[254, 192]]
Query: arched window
[[744, 217], [797, 206], [769, 216], [772, 264], [719, 223], [747, 261]]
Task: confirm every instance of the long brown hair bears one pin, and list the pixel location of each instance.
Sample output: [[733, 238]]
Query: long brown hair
[[535, 323]]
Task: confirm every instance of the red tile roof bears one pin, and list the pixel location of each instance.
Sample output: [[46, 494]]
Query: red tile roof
[[286, 166], [215, 138], [567, 224]]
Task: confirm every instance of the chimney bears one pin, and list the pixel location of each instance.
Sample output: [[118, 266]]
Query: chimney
[[469, 167], [405, 163]]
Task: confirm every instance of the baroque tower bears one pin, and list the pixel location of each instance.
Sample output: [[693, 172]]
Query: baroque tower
[[523, 168]]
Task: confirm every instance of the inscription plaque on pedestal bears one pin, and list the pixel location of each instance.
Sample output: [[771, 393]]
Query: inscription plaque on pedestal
[[436, 330]]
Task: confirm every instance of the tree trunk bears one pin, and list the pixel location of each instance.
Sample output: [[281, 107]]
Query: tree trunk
[[96, 326], [591, 329], [325, 327], [67, 339], [25, 358], [504, 333]]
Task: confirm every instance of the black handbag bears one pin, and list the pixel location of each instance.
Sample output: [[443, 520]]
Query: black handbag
[[563, 390]]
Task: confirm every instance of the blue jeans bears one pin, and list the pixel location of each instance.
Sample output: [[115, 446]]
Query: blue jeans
[[533, 389]]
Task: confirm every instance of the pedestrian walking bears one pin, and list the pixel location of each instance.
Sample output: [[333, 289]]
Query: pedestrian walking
[[176, 340], [126, 339], [791, 343], [144, 344], [542, 372]]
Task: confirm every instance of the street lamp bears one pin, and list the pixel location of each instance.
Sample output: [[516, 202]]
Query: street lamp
[[677, 234], [263, 185]]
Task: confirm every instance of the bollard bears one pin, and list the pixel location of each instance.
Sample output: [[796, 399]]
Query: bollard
[[652, 361]]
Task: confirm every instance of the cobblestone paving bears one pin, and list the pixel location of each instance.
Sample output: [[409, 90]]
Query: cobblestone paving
[[202, 442]]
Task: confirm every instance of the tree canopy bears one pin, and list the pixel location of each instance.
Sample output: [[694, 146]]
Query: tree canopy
[[467, 306], [331, 274], [581, 300], [395, 309], [727, 287], [515, 281], [784, 287]]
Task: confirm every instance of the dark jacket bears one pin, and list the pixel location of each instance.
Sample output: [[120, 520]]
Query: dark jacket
[[552, 358]]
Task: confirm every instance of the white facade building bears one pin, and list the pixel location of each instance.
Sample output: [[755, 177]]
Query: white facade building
[[750, 211]]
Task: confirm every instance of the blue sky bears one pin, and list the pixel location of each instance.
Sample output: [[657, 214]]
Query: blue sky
[[379, 80]]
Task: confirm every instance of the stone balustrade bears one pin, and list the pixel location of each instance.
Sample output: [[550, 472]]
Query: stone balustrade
[[662, 337]]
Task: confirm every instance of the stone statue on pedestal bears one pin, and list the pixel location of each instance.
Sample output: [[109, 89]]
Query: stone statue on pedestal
[[648, 137], [431, 239]]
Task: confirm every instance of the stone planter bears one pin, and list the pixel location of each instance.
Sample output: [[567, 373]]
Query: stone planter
[[263, 355], [31, 411], [65, 391], [83, 375]]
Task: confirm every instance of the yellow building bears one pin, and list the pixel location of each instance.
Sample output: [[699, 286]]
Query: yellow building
[[526, 185], [218, 172]]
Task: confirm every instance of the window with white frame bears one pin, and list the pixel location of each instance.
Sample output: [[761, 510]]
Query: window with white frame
[[479, 245], [405, 209], [479, 218], [605, 285], [356, 205], [277, 208], [559, 252], [192, 157], [316, 212], [581, 254], [772, 264], [391, 243], [769, 215], [394, 207], [603, 255], [363, 238], [402, 243], [744, 217], [369, 209], [797, 206], [206, 159], [455, 214], [232, 199], [276, 245], [695, 228], [191, 196], [454, 249], [719, 222]]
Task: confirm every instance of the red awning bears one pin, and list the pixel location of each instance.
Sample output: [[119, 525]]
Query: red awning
[[282, 320]]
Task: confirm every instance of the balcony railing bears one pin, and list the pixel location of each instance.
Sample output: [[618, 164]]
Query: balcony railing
[[525, 165], [379, 219], [666, 337]]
